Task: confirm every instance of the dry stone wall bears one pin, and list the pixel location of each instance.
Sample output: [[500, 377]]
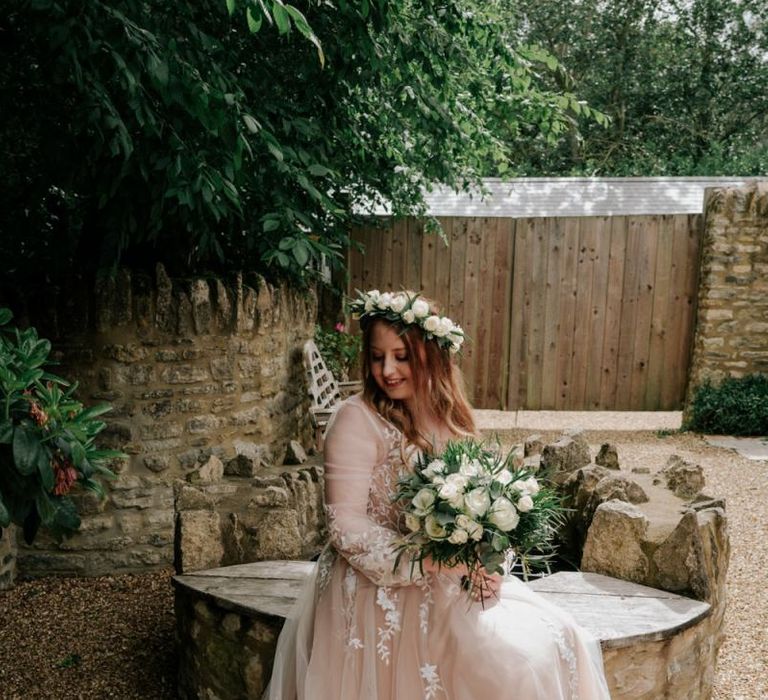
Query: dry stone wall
[[195, 369], [732, 325]]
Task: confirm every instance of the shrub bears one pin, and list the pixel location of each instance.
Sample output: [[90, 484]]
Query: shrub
[[736, 406], [47, 439], [340, 350]]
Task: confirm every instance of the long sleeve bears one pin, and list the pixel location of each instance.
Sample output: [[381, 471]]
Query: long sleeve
[[354, 446]]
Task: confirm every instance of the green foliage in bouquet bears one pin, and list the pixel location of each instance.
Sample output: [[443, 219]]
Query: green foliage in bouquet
[[736, 406], [340, 350], [46, 438], [473, 505]]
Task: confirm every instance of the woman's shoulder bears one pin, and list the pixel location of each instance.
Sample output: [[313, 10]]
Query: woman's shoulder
[[354, 413]]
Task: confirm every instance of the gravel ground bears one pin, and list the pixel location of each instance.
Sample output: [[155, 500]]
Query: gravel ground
[[113, 636]]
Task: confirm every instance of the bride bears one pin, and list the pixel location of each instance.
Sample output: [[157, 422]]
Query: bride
[[363, 630]]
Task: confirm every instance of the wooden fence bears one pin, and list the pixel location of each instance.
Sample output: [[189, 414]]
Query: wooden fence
[[580, 313]]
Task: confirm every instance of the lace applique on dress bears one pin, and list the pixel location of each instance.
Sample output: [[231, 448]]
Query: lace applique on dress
[[388, 602], [350, 591], [565, 651], [425, 605], [431, 681]]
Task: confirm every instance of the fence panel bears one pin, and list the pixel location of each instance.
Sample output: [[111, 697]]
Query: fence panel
[[578, 313]]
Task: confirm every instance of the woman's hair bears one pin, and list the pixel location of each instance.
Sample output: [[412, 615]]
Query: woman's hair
[[438, 385]]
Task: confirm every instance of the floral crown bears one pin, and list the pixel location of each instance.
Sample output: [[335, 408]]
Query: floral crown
[[408, 309]]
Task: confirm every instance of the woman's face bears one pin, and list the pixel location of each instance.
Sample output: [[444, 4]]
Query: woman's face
[[390, 367]]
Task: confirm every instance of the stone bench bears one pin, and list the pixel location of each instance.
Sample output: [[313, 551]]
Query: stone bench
[[655, 644]]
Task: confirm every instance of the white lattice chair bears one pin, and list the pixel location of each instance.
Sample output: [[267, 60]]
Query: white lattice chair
[[325, 391]]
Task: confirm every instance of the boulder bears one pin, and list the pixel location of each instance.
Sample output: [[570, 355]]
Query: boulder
[[533, 445], [242, 465], [620, 488], [614, 542], [212, 471], [608, 457], [188, 497], [684, 479], [565, 456], [272, 534]]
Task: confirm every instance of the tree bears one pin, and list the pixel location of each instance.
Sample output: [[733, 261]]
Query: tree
[[197, 135], [681, 80]]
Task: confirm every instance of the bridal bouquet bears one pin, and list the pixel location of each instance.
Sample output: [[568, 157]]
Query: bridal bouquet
[[475, 506]]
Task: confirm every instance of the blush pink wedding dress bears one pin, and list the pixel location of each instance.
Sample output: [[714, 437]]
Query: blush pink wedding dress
[[361, 631]]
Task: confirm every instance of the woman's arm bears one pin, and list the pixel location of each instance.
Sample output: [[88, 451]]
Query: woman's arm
[[353, 449]]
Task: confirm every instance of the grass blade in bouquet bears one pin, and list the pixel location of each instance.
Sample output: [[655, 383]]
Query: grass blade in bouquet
[[475, 506]]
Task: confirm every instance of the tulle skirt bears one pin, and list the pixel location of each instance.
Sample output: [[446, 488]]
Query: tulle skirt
[[348, 639]]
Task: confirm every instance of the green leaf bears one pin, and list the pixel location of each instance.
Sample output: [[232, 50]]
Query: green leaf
[[5, 516], [66, 515], [254, 23], [27, 449], [319, 170], [281, 17], [231, 7], [253, 126], [5, 316], [78, 453], [301, 253], [6, 432], [45, 470]]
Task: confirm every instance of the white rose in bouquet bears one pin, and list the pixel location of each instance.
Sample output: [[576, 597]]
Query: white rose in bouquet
[[525, 504], [409, 316], [532, 485], [503, 477], [435, 467], [474, 529], [423, 502], [420, 308], [469, 467], [433, 528], [521, 486], [453, 490], [477, 502], [431, 324], [458, 536], [412, 522], [504, 514]]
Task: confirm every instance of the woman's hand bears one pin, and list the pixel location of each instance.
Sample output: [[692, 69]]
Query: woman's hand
[[485, 586]]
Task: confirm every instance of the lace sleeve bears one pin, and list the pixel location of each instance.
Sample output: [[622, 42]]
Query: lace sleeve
[[354, 446]]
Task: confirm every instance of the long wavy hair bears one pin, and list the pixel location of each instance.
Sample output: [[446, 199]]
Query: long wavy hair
[[438, 386]]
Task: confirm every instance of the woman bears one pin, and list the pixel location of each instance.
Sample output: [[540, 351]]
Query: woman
[[364, 630]]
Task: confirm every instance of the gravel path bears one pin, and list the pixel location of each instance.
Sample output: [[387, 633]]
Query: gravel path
[[113, 636]]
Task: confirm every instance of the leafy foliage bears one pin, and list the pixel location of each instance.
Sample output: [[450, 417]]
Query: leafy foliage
[[46, 438], [340, 350], [683, 83], [241, 133], [736, 406]]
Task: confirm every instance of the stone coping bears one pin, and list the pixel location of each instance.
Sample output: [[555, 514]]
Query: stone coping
[[618, 613]]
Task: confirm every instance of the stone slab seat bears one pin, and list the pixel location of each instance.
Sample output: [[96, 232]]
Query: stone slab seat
[[654, 642]]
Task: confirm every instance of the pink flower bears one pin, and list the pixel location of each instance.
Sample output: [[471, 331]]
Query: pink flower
[[340, 327]]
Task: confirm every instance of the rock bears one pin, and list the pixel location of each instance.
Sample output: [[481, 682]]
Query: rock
[[614, 542], [565, 456], [210, 472], [190, 498], [241, 465], [684, 479], [693, 559], [295, 453], [703, 502], [198, 543], [273, 534], [271, 496], [532, 463], [619, 487], [608, 457], [533, 445], [89, 503], [641, 470]]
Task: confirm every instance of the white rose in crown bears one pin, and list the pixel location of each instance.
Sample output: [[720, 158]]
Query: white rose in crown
[[398, 303], [385, 301], [423, 502], [412, 522], [503, 477], [420, 308], [409, 316], [431, 324], [525, 504], [474, 529], [458, 536], [504, 514], [477, 502], [433, 528], [445, 326]]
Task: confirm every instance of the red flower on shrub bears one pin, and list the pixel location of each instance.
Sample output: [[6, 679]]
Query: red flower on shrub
[[38, 414], [66, 476]]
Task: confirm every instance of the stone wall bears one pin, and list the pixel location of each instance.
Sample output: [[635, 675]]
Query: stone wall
[[7, 557], [732, 325], [195, 369]]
